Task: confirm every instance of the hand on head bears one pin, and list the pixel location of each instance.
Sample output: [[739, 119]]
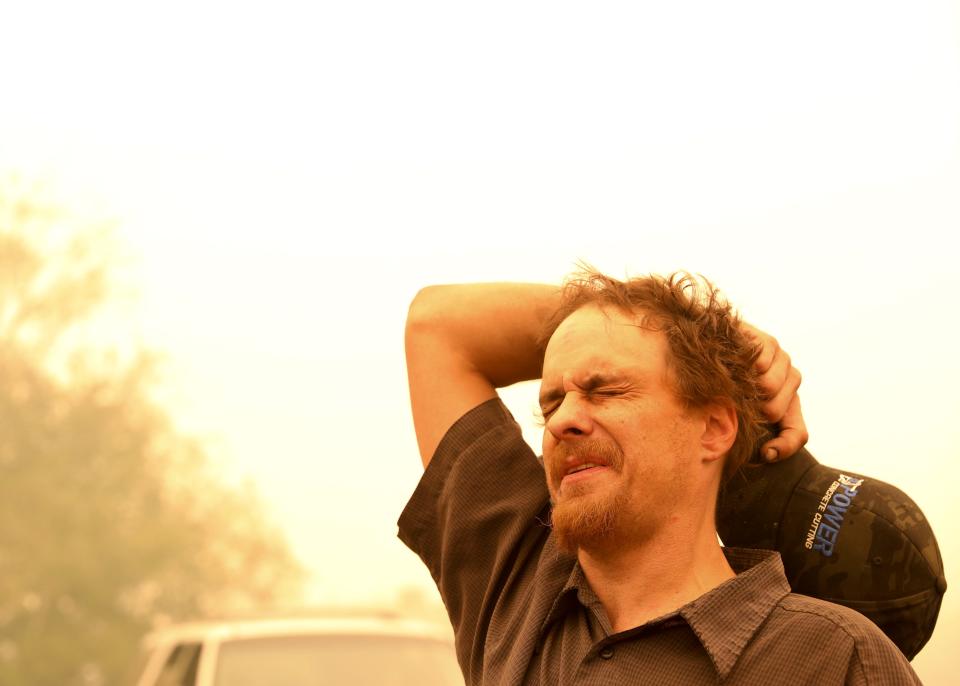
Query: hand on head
[[780, 381]]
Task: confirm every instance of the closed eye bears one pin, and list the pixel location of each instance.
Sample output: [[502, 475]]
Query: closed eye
[[545, 411], [606, 392]]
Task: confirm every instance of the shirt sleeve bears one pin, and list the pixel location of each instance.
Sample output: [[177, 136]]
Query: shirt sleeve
[[876, 661], [477, 519]]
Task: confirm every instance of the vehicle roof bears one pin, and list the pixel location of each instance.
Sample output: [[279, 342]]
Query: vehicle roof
[[223, 630]]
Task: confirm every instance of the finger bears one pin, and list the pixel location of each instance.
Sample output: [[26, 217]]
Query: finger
[[768, 346], [774, 379], [776, 407], [793, 434]]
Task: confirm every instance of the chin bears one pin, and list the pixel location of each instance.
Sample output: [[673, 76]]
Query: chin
[[584, 521]]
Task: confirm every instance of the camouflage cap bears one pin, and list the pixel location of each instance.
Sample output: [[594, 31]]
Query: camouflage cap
[[843, 537]]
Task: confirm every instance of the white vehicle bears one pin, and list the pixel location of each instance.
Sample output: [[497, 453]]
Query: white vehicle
[[325, 651]]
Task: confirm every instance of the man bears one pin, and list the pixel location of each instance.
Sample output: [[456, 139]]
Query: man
[[603, 566]]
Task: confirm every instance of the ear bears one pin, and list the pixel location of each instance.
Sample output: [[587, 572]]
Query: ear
[[719, 429]]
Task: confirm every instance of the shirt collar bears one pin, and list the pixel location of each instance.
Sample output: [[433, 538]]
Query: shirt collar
[[724, 618], [575, 589], [727, 617]]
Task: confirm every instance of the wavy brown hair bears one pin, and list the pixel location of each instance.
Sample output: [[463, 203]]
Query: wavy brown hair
[[710, 356]]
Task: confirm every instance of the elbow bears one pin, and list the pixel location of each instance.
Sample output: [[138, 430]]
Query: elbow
[[426, 311], [430, 331]]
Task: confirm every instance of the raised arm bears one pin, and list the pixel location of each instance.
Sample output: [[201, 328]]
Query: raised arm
[[465, 341]]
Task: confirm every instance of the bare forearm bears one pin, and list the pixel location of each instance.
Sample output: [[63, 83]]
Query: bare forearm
[[494, 327], [463, 342]]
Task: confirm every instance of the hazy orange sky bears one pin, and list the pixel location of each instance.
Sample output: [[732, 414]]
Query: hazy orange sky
[[285, 176]]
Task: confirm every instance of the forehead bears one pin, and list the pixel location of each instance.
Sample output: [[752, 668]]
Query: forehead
[[597, 339]]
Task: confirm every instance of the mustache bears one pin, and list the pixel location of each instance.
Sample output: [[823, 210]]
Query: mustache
[[591, 450]]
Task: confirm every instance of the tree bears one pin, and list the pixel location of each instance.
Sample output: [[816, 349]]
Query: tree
[[110, 521]]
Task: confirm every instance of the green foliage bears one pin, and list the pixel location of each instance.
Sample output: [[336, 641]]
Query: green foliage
[[110, 521]]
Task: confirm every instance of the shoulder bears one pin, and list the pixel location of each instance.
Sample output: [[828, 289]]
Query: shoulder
[[828, 615], [834, 631]]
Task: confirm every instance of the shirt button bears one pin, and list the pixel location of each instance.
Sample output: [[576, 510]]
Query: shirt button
[[606, 653]]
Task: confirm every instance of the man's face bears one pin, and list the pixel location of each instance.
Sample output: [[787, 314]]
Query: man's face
[[618, 447]]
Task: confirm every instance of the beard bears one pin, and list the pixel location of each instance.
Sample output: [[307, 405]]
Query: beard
[[586, 519]]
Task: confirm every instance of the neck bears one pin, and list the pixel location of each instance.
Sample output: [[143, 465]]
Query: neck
[[639, 581]]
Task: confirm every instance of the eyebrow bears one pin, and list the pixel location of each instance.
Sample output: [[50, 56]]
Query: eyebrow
[[592, 381]]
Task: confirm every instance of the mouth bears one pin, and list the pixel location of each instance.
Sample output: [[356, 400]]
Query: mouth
[[582, 472], [581, 466]]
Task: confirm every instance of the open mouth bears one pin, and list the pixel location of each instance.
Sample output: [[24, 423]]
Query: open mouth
[[582, 467], [582, 472]]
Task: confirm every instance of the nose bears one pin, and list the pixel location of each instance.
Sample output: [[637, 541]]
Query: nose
[[571, 418]]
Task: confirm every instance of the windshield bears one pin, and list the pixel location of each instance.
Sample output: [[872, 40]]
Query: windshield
[[337, 661]]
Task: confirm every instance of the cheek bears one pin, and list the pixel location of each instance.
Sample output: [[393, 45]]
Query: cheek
[[547, 442], [620, 423], [619, 426], [547, 447], [656, 450]]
